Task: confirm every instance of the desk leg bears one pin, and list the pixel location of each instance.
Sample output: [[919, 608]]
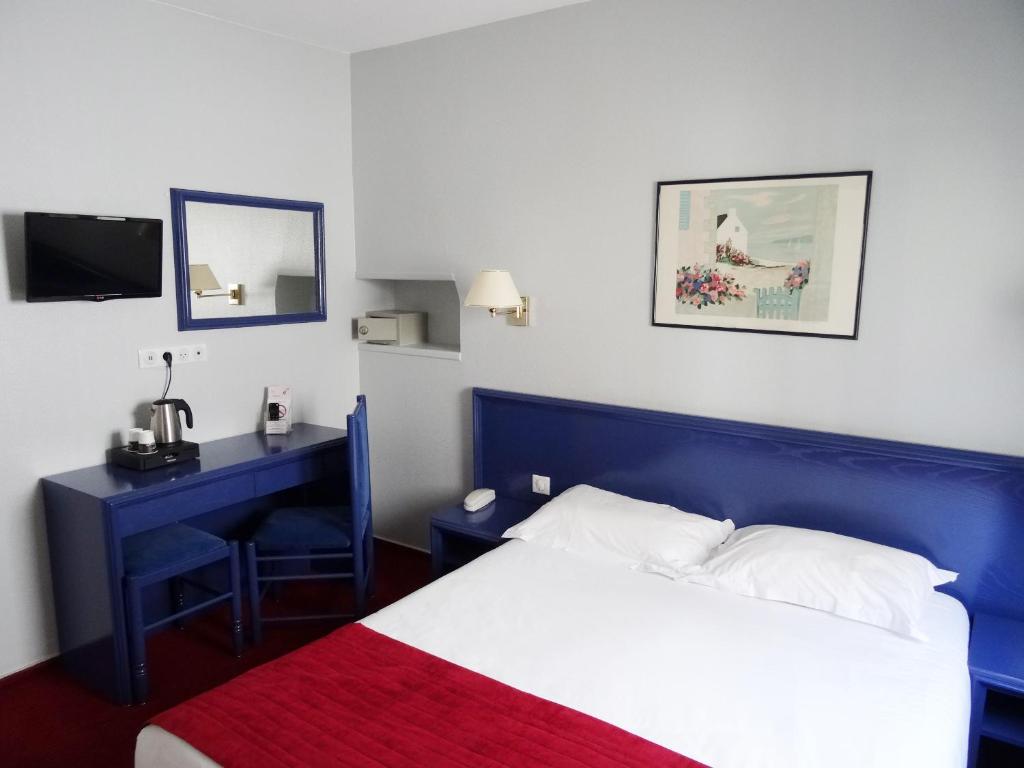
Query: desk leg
[[137, 643], [88, 592], [978, 694], [177, 586], [436, 552], [236, 600], [252, 576]]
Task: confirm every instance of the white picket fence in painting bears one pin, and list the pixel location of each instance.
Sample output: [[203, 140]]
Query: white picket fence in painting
[[778, 303]]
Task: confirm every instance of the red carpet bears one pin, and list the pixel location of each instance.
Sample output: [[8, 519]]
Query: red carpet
[[47, 719]]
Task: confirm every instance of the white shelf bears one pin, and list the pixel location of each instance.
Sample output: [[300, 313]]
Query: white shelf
[[433, 293], [429, 277], [438, 351]]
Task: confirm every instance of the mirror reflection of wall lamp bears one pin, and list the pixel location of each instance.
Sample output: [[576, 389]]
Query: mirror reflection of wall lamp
[[493, 290], [202, 282]]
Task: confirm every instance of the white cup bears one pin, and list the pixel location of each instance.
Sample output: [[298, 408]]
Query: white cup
[[147, 443], [133, 438]]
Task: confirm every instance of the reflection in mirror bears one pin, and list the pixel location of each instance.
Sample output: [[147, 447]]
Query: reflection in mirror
[[247, 260]]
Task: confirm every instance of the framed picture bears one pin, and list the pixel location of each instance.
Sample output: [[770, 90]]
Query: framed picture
[[769, 254]]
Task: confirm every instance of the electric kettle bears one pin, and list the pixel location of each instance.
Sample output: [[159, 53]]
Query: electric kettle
[[165, 423]]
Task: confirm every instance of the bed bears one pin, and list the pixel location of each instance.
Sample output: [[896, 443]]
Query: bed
[[726, 680]]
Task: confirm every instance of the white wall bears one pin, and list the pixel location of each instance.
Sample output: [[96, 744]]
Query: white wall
[[535, 144], [106, 105]]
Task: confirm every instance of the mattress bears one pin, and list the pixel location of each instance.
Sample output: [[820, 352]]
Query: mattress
[[733, 682]]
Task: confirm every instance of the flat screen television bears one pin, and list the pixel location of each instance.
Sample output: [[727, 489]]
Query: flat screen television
[[69, 257]]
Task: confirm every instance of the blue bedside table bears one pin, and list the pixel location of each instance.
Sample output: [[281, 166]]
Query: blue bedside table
[[996, 662], [458, 536]]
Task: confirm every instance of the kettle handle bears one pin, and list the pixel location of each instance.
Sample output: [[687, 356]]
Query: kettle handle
[[181, 405]]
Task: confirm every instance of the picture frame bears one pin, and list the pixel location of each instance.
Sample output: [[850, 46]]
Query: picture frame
[[762, 254]]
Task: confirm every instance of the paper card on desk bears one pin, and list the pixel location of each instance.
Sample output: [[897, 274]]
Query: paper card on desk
[[278, 416]]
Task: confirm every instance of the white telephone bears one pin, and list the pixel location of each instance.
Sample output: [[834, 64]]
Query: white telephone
[[478, 499]]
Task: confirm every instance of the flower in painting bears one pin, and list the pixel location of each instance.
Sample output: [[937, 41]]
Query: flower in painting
[[725, 252], [799, 276], [701, 285]]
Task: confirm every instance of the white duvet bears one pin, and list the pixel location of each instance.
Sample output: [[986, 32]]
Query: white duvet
[[727, 680]]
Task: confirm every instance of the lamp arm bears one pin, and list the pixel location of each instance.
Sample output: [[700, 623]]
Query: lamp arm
[[516, 312]]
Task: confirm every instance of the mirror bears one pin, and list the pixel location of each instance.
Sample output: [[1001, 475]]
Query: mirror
[[242, 260]]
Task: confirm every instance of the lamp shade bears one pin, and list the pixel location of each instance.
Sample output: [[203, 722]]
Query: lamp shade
[[200, 278], [494, 289]]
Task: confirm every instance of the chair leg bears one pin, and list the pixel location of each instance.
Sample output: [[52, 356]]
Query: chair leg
[[371, 569], [360, 586], [236, 600], [137, 644], [252, 575], [178, 599], [275, 587]]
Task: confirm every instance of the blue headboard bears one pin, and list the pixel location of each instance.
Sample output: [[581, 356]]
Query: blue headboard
[[962, 510]]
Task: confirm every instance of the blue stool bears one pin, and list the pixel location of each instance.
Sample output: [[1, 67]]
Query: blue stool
[[342, 534], [166, 554]]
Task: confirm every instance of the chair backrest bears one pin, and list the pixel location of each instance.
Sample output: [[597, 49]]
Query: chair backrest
[[359, 478]]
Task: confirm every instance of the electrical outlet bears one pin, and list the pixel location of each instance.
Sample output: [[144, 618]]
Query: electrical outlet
[[154, 356], [542, 485], [149, 358]]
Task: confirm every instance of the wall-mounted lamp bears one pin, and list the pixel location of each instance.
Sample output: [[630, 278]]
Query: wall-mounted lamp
[[202, 282], [494, 290]]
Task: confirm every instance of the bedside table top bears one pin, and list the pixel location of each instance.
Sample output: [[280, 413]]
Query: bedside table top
[[997, 651], [486, 524]]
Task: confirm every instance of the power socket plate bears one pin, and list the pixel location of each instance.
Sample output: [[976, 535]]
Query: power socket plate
[[542, 485], [153, 357]]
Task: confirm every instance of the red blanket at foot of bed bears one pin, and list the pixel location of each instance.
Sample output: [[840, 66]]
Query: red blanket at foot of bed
[[359, 698]]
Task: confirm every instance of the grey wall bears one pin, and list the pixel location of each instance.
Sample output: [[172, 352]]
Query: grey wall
[[535, 144], [106, 105]]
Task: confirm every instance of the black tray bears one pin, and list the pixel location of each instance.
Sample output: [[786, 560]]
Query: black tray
[[172, 453]]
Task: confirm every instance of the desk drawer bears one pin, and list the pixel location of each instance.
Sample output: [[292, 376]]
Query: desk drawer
[[289, 474], [181, 505]]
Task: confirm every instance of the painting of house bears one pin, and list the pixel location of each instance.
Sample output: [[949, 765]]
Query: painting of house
[[761, 236], [773, 254], [731, 228]]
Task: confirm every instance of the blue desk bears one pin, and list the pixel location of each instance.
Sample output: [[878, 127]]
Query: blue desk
[[90, 511]]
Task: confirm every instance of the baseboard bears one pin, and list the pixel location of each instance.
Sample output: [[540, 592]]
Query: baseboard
[[13, 678], [402, 544]]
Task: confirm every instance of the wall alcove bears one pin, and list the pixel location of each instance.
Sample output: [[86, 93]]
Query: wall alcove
[[433, 293]]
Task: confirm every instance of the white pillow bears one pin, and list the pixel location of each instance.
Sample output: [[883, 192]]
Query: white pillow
[[849, 577], [617, 529]]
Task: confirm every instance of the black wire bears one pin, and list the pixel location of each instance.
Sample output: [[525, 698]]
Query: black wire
[[167, 380]]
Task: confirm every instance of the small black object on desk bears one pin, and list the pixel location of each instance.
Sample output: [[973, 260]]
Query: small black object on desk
[[168, 453]]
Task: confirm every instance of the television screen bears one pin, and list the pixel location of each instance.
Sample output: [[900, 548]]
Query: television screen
[[92, 257]]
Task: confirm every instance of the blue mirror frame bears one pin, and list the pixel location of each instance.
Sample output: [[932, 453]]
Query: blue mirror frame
[[179, 227]]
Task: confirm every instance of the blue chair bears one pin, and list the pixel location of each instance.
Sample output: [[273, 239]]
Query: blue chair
[[340, 534], [167, 554]]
